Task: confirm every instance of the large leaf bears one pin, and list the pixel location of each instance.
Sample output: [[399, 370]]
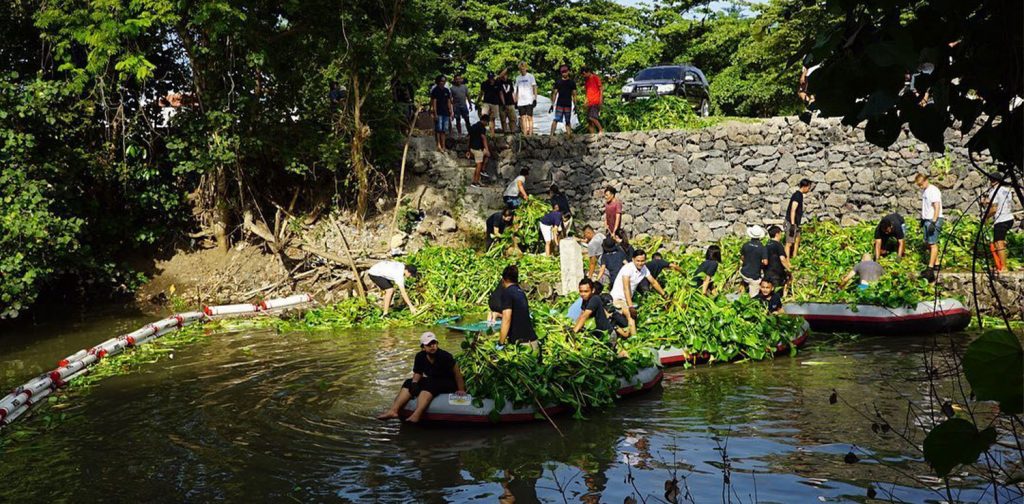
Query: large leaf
[[953, 442], [994, 365]]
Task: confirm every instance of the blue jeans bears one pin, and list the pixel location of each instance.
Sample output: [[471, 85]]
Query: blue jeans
[[513, 201], [443, 124], [932, 230]]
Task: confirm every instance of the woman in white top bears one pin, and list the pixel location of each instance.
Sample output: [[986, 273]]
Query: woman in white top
[[515, 192], [386, 275]]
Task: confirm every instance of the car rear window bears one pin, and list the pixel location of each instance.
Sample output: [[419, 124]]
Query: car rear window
[[659, 73]]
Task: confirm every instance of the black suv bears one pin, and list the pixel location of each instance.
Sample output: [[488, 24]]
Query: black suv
[[680, 80]]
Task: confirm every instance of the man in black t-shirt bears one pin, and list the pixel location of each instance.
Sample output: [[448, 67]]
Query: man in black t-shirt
[[755, 258], [479, 150], [441, 110], [563, 96], [516, 325], [490, 97], [795, 214], [889, 236], [656, 265], [593, 306], [508, 102], [434, 372], [778, 267], [497, 223], [770, 297]]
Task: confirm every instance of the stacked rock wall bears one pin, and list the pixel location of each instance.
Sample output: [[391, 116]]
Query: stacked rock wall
[[698, 186]]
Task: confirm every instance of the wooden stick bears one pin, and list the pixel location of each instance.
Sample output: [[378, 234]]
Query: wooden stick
[[401, 180], [351, 261]]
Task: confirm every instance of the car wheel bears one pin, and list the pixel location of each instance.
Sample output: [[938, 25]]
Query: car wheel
[[705, 108]]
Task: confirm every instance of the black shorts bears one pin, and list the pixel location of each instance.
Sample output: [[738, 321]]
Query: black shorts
[[436, 386], [525, 110], [1000, 229], [382, 282]]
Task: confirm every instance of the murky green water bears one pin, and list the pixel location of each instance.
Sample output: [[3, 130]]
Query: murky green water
[[265, 417]]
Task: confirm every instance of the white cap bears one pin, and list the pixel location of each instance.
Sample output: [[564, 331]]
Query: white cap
[[756, 232], [426, 338]]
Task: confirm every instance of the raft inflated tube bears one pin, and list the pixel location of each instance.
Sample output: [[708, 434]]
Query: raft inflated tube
[[233, 309], [927, 317], [72, 358], [287, 302]]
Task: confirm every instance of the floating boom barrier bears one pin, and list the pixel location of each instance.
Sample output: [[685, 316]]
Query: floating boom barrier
[[34, 391]]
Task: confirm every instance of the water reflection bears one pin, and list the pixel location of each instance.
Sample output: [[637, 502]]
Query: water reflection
[[288, 417]]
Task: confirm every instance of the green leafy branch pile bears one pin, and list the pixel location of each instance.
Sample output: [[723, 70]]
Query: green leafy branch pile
[[575, 370], [662, 112], [524, 231]]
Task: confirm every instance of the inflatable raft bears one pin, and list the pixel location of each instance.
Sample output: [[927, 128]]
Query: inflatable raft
[[22, 398], [677, 356], [929, 317], [449, 408]]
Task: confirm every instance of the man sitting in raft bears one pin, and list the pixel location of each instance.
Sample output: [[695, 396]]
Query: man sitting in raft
[[516, 325], [771, 298], [889, 236], [629, 278], [434, 372], [867, 270], [388, 274]]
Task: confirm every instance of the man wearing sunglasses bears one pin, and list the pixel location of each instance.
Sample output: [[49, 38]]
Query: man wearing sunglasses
[[562, 98]]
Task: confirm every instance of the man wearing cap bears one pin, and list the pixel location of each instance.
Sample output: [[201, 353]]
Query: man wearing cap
[[490, 97], [755, 258], [386, 275], [434, 372], [516, 324]]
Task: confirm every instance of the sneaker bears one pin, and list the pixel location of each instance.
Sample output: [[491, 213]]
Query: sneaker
[[476, 185]]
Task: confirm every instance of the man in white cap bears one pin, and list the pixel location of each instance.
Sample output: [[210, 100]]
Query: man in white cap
[[755, 258], [434, 372]]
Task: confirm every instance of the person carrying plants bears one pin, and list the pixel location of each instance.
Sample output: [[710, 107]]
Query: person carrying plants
[[497, 223], [550, 228], [479, 150], [629, 278], [388, 274], [656, 265], [932, 219], [867, 270], [705, 273], [562, 97], [778, 267], [593, 88], [612, 211], [794, 214], [999, 208], [770, 297], [755, 258], [515, 191], [441, 110], [612, 259], [890, 236], [593, 306], [516, 324], [434, 372]]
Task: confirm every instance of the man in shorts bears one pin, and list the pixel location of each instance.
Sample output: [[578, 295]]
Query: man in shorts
[[508, 103], [999, 204], [462, 102], [754, 257], [525, 98], [490, 97], [592, 86], [932, 219], [795, 214], [441, 111], [562, 97], [479, 151], [387, 275]]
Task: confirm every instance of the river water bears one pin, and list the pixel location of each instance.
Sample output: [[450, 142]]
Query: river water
[[257, 416]]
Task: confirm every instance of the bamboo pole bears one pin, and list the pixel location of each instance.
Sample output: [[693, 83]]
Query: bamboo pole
[[401, 177], [351, 261]]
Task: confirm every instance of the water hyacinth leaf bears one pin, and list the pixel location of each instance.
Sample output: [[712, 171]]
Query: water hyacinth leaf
[[953, 442], [994, 364]]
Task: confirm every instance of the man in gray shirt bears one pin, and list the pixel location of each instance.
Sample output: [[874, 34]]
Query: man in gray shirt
[[462, 103], [592, 240], [867, 270]]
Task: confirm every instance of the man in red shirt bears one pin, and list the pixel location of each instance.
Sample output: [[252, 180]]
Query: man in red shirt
[[612, 211], [592, 84]]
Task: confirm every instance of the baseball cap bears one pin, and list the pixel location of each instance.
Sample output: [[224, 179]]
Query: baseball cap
[[427, 338]]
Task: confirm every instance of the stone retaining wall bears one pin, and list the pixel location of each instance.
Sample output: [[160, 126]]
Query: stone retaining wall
[[699, 186]]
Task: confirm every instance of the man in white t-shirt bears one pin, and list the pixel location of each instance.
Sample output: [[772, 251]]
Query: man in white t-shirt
[[629, 277], [525, 95], [387, 275], [931, 218], [999, 206]]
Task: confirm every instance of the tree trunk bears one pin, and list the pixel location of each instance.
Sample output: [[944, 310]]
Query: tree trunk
[[221, 210], [359, 135]]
